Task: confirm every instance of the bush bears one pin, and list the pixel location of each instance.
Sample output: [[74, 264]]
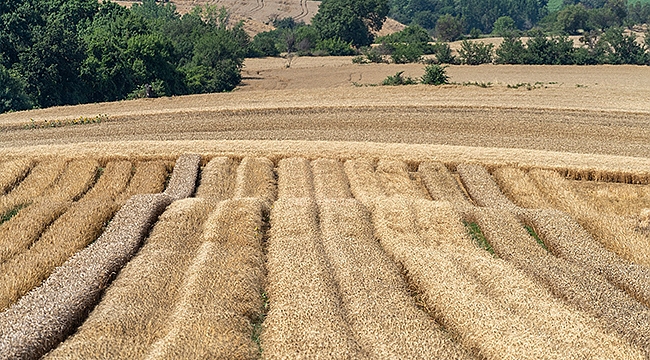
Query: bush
[[263, 44], [406, 53], [442, 51], [398, 79], [511, 51], [375, 54], [335, 47], [475, 53], [435, 74]]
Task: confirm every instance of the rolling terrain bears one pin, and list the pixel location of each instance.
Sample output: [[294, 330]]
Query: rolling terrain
[[313, 214]]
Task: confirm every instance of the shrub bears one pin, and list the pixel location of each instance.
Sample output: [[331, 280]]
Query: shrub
[[443, 53], [511, 51], [475, 53], [435, 74], [406, 53], [335, 47], [398, 79]]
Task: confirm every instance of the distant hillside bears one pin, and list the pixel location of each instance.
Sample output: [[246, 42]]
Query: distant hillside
[[258, 14]]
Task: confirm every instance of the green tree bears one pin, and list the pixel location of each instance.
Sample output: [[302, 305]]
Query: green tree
[[13, 96], [350, 20], [573, 18], [511, 51], [448, 28], [475, 53], [504, 26]]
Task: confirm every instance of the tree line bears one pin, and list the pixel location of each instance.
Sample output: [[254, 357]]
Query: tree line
[[60, 52], [448, 20]]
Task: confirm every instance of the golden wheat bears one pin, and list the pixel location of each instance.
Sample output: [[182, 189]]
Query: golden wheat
[[40, 178], [493, 308], [11, 172], [616, 233], [47, 315], [330, 181], [131, 317], [380, 311], [482, 188], [218, 179], [19, 233], [148, 178], [295, 178], [183, 180], [305, 319], [221, 291], [255, 178]]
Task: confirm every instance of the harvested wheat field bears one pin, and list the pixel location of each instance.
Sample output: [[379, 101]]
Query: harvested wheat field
[[305, 217]]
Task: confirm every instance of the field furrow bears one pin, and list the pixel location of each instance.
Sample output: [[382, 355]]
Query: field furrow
[[567, 239], [12, 172], [218, 179], [430, 242], [44, 317], [616, 233], [306, 318], [221, 292], [39, 179]]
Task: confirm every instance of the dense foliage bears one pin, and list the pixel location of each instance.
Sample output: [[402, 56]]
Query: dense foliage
[[449, 19], [57, 52]]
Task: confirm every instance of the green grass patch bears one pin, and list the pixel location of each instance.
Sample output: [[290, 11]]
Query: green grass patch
[[532, 233], [257, 323], [477, 235], [11, 213]]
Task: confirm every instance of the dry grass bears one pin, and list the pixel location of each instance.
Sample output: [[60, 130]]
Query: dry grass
[[40, 178], [11, 172], [183, 180], [218, 179], [45, 317], [255, 178], [305, 319], [131, 317], [220, 294]]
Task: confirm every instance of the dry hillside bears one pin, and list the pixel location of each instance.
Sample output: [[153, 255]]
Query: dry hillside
[[313, 214]]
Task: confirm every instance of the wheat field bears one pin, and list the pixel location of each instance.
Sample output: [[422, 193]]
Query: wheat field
[[322, 219]]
